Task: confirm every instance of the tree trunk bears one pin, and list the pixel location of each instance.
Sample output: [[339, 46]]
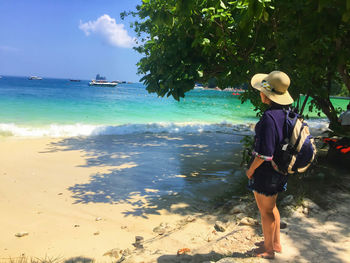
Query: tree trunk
[[342, 68], [327, 108], [304, 104], [345, 75]]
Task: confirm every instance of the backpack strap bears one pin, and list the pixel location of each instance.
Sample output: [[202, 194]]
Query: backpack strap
[[285, 127], [295, 146], [291, 117]]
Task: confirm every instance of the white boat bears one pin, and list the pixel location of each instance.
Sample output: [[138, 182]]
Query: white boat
[[198, 86], [102, 83], [35, 77]]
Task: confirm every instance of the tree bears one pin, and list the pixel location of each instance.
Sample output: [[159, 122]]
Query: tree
[[188, 41]]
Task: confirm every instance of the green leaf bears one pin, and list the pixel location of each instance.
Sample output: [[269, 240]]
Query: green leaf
[[265, 16], [222, 4], [205, 41], [245, 41]]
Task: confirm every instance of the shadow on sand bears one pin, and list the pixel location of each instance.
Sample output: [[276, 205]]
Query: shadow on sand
[[159, 170], [168, 169]]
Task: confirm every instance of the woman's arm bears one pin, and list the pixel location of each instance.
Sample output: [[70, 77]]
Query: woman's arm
[[255, 164]]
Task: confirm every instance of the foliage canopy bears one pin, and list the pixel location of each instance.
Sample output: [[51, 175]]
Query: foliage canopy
[[188, 41]]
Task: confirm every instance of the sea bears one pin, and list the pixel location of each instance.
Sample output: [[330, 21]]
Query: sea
[[164, 150], [62, 108]]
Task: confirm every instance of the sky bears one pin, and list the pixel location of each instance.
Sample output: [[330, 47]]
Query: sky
[[74, 39]]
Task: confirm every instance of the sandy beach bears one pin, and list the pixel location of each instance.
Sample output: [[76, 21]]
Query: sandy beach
[[87, 198]]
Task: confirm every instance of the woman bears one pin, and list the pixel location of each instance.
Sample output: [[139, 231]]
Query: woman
[[264, 181]]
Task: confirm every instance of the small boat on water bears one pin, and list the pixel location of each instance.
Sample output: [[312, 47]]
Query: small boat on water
[[75, 80], [102, 82], [35, 78], [198, 86]]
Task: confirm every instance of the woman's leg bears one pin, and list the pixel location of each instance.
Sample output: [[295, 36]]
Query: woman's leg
[[276, 240], [269, 214]]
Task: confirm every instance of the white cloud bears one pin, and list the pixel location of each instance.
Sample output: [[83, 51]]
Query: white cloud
[[106, 27]]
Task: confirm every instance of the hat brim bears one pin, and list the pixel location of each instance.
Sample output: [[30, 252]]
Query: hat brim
[[283, 99]]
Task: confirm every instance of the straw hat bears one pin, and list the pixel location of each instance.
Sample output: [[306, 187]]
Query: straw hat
[[274, 86]]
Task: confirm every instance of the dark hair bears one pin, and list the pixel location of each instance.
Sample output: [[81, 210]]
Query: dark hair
[[279, 106]]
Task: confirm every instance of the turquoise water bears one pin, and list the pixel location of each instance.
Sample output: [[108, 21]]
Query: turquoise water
[[58, 107]]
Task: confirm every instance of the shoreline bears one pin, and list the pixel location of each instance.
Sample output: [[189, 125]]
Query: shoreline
[[61, 192]]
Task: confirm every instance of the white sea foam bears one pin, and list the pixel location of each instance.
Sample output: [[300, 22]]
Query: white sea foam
[[55, 130], [318, 126], [58, 130]]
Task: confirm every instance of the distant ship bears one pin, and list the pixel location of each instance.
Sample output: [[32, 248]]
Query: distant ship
[[102, 82], [35, 77], [119, 81], [75, 80]]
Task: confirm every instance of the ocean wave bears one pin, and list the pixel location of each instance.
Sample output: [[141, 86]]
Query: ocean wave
[[317, 127], [55, 130]]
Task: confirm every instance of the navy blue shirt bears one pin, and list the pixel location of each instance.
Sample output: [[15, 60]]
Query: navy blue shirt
[[268, 135]]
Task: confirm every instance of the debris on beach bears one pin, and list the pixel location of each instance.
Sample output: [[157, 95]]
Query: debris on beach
[[21, 234], [240, 216], [114, 253], [283, 225], [190, 219], [161, 229], [76, 225], [138, 242], [119, 254], [181, 223], [220, 226], [239, 209], [309, 204], [183, 251], [211, 236], [305, 210], [98, 219], [96, 233], [248, 221]]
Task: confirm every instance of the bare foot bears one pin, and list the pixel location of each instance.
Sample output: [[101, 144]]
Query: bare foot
[[266, 255], [276, 247], [262, 253]]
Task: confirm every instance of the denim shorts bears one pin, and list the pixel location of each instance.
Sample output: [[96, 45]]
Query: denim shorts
[[267, 181]]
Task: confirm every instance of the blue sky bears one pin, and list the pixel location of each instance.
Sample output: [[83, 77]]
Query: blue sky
[[67, 39]]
